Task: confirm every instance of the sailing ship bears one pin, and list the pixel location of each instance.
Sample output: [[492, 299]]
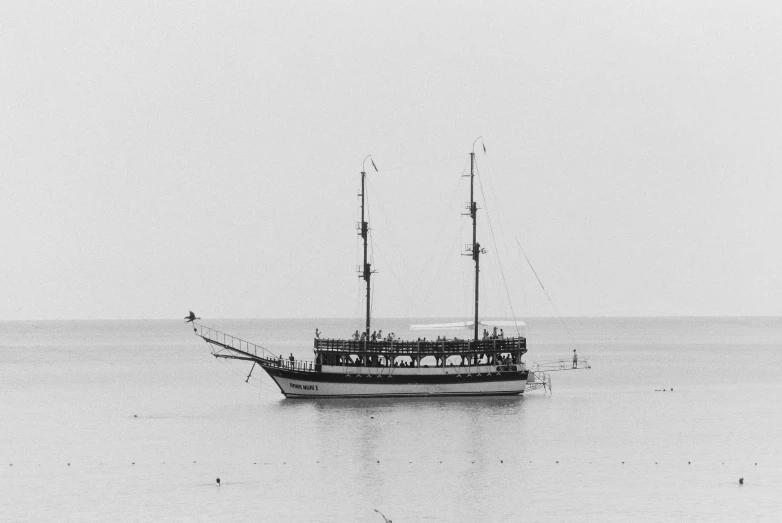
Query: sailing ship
[[365, 365]]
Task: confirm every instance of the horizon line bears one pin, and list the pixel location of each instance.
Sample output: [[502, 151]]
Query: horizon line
[[388, 318]]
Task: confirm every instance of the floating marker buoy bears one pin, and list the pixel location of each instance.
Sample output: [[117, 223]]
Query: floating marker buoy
[[623, 463], [378, 461], [741, 481], [500, 461], [133, 463], [557, 461], [689, 463], [69, 464], [371, 417]]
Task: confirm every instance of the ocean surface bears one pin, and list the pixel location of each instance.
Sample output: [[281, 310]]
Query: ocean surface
[[135, 420]]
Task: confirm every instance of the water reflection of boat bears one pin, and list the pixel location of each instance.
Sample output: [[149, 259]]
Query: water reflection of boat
[[368, 365]]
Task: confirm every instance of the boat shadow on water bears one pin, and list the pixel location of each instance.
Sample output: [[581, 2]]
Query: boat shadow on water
[[377, 405]]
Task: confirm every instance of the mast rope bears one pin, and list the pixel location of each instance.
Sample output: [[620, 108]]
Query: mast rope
[[428, 292], [436, 249], [393, 273], [392, 236], [499, 260], [554, 307], [301, 267]]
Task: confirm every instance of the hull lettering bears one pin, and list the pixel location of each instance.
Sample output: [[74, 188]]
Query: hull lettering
[[302, 387]]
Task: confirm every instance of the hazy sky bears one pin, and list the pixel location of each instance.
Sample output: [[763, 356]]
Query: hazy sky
[[206, 156]]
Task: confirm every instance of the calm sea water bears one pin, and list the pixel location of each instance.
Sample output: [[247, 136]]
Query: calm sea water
[[134, 420]]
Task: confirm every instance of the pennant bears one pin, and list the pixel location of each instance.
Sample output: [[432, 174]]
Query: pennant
[[484, 147], [373, 165]]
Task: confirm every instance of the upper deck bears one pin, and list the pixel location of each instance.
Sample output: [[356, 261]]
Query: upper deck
[[327, 345]]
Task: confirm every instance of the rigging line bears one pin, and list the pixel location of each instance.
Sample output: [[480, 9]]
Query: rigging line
[[503, 218], [445, 220], [554, 307], [428, 292], [302, 267], [499, 261], [390, 268], [396, 243]]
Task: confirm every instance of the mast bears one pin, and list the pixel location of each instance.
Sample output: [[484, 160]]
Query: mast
[[476, 247], [366, 273]]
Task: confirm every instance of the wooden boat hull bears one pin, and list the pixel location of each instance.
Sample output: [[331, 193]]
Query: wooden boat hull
[[374, 382]]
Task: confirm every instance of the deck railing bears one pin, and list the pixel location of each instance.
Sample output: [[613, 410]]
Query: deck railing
[[262, 354], [227, 341], [421, 347]]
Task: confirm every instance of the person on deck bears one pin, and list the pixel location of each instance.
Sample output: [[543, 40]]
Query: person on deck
[[575, 359], [317, 333], [502, 334], [291, 358]]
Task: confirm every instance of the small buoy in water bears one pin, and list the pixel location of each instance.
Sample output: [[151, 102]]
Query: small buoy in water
[[756, 464], [741, 481], [378, 461], [557, 461], [409, 461], [671, 389], [371, 417], [218, 482], [69, 464], [500, 461], [689, 463], [623, 463]]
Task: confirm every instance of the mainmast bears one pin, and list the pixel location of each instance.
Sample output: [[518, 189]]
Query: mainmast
[[476, 247], [365, 271]]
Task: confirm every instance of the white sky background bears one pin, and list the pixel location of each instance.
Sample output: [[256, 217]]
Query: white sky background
[[158, 158]]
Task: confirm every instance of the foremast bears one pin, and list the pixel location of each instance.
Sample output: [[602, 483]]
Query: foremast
[[475, 248], [365, 271]]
